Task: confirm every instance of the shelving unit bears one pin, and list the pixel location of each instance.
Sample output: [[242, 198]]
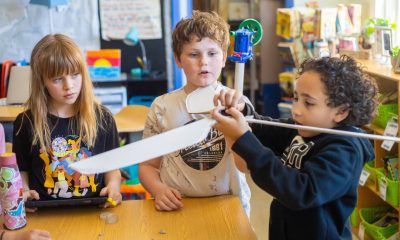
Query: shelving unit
[[368, 195], [135, 86]]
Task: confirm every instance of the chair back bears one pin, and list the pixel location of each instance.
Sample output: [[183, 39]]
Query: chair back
[[131, 118]]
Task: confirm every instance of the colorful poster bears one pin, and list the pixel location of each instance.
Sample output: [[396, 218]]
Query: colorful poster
[[104, 63]]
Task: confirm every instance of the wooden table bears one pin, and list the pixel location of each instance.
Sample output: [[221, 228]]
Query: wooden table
[[131, 119], [9, 113], [201, 218]]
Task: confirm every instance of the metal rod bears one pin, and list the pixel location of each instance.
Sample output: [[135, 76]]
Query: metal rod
[[324, 130]]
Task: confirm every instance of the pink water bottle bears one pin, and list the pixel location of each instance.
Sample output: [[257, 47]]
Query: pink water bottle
[[11, 193]]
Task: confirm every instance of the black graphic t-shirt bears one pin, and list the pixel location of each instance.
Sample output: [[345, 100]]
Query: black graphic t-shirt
[[48, 169], [207, 154]]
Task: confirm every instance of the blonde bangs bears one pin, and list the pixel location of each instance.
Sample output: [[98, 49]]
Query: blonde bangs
[[61, 60]]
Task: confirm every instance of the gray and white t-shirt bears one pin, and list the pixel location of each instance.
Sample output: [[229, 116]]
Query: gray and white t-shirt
[[201, 170]]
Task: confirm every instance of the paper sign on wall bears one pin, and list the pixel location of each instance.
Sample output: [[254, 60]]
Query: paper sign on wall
[[118, 16]]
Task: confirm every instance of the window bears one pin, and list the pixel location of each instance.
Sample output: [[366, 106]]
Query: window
[[389, 9]]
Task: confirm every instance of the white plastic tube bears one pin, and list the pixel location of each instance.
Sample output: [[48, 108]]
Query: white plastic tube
[[324, 130], [239, 76]]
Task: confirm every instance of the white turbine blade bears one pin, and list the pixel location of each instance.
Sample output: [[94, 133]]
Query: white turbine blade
[[201, 100], [146, 149]]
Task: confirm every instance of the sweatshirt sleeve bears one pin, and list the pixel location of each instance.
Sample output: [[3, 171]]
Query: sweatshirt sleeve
[[324, 177], [281, 136]]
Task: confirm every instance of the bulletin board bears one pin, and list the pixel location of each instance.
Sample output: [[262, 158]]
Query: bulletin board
[[118, 16], [23, 24], [153, 37]]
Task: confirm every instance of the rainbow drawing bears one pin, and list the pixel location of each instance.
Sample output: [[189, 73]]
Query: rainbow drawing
[[104, 63]]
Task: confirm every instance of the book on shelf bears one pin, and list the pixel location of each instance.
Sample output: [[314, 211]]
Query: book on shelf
[[287, 23], [325, 27], [355, 16], [344, 23], [287, 53], [307, 16], [286, 82], [391, 169]]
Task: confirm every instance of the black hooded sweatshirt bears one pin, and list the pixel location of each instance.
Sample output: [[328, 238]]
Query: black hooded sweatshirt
[[313, 180]]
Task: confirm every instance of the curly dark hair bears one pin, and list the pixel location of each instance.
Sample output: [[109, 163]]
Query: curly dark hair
[[347, 85]]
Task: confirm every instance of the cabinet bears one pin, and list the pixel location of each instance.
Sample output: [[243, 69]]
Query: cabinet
[[135, 86], [369, 194]]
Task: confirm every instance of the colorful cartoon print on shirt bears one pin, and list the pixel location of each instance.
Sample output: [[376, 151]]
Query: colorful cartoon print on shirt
[[61, 180], [206, 154]]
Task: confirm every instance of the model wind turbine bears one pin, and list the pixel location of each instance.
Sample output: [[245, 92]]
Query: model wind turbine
[[199, 101], [175, 139]]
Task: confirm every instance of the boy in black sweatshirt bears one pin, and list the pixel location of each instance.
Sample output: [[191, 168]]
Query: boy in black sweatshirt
[[312, 176]]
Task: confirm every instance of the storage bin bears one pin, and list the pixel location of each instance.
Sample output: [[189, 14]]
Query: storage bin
[[354, 217], [133, 173], [385, 113], [141, 100], [370, 215], [369, 167], [392, 190]]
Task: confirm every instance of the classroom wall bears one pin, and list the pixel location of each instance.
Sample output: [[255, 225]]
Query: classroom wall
[[270, 67], [23, 24]]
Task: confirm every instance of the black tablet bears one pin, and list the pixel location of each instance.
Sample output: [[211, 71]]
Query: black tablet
[[65, 202]]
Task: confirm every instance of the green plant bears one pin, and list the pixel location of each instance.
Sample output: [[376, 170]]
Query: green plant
[[395, 51], [378, 22]]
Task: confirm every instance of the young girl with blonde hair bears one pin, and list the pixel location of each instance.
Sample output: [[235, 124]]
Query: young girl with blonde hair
[[63, 124]]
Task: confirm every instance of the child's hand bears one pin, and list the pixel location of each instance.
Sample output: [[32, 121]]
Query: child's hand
[[33, 234], [29, 195], [232, 127], [168, 199], [230, 99], [114, 195]]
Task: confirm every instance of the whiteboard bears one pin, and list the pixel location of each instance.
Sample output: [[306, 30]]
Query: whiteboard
[[23, 24], [119, 16]]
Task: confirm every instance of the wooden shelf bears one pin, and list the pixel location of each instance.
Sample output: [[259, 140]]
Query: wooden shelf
[[355, 234], [376, 129], [372, 188], [379, 70], [387, 81]]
